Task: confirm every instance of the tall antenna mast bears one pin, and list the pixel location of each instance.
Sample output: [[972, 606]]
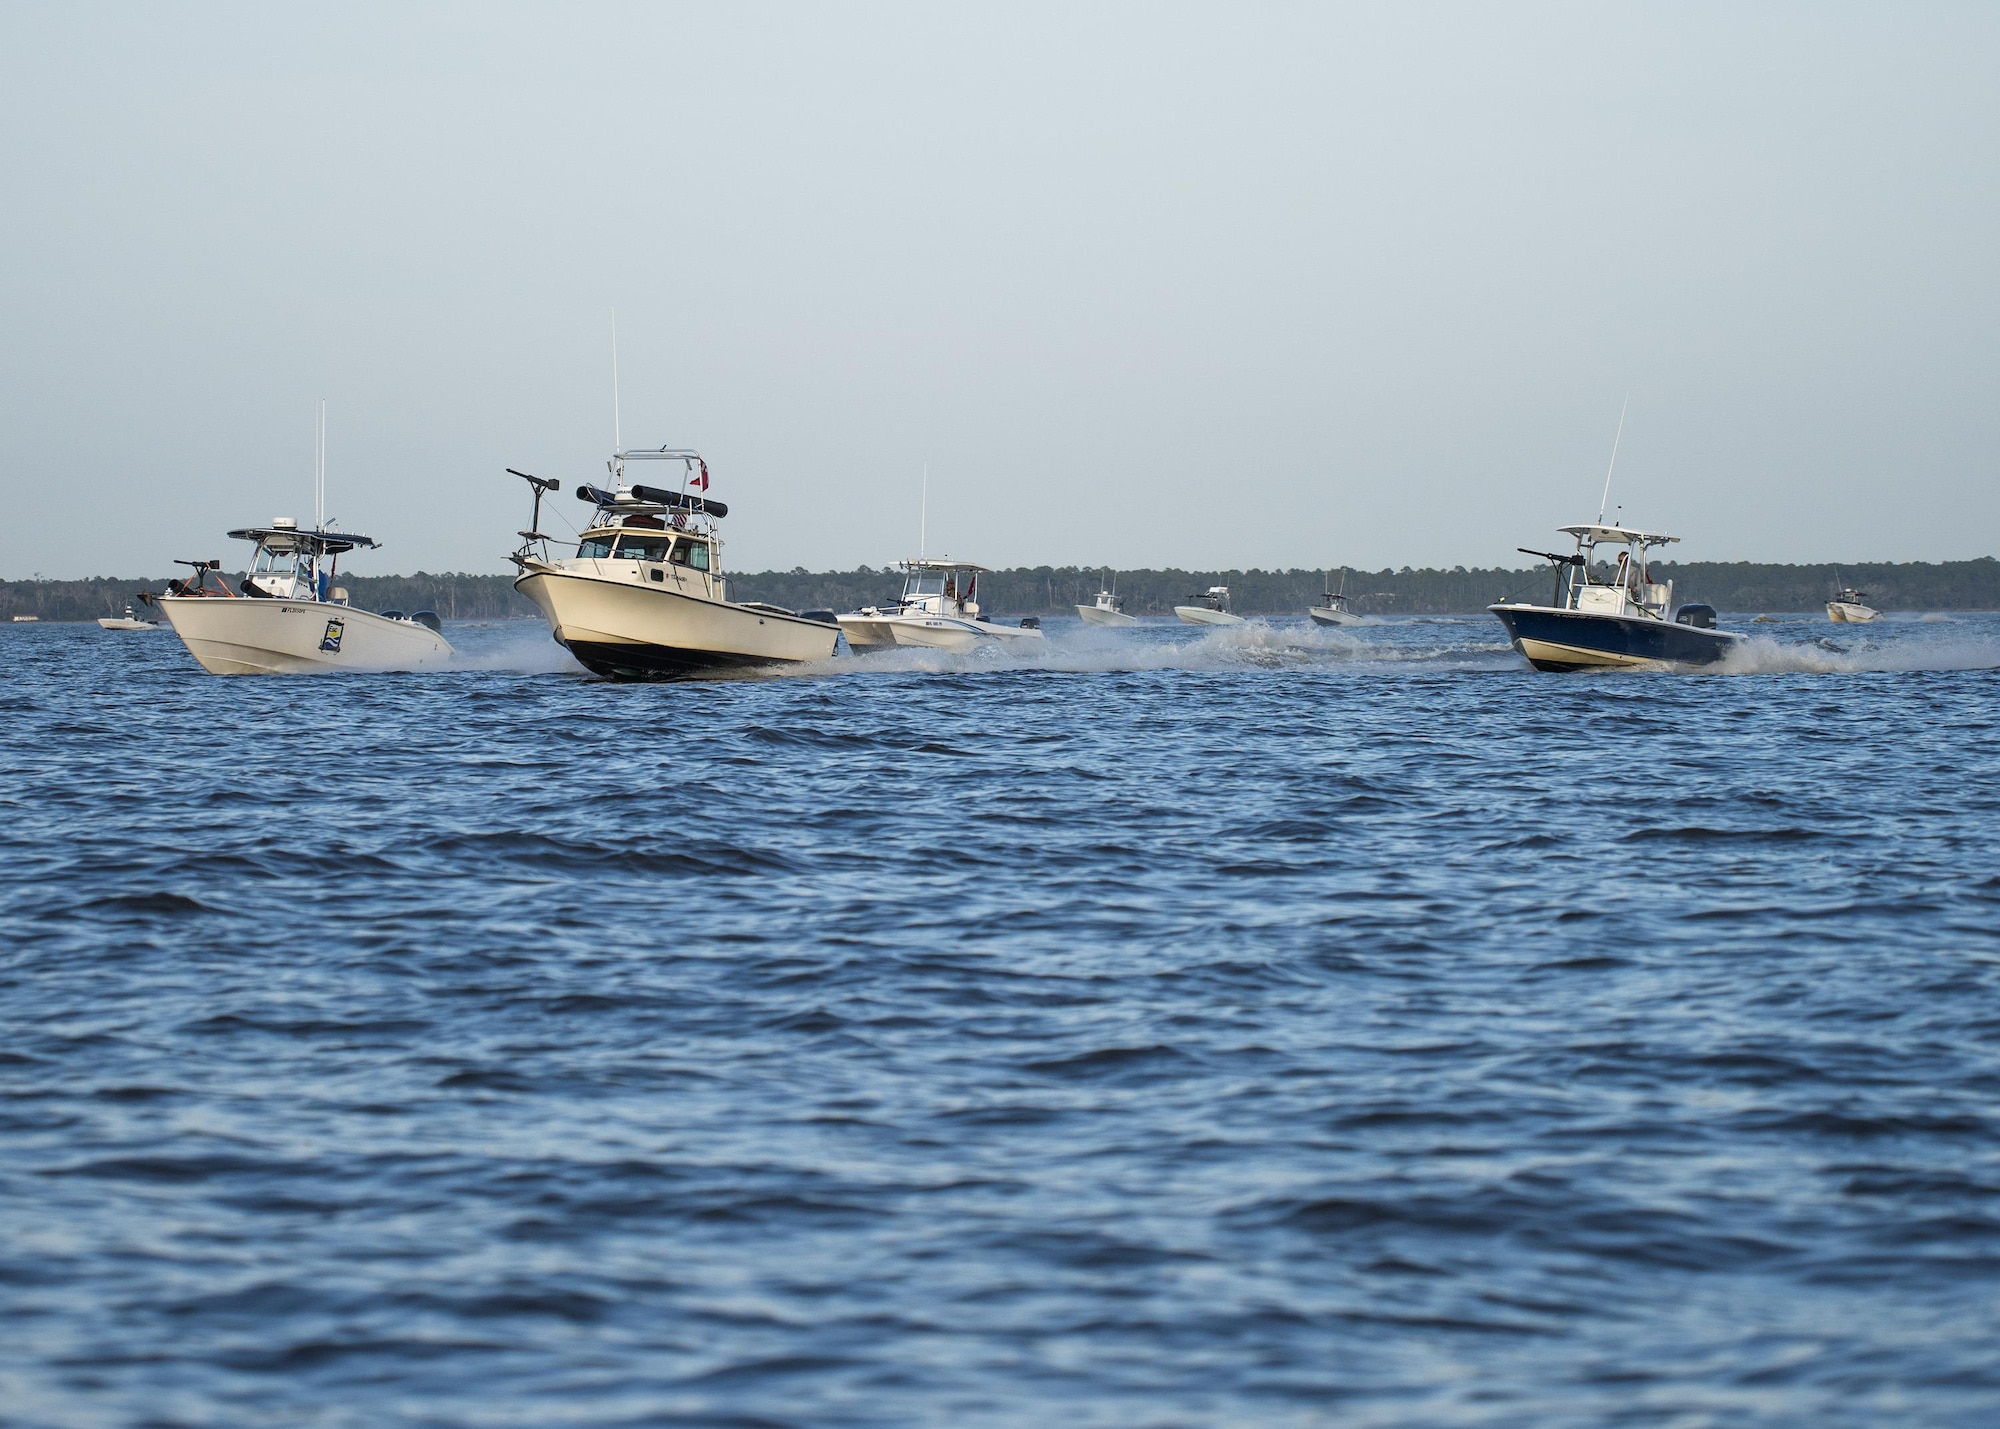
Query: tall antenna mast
[[1604, 501], [617, 439], [319, 468], [924, 512]]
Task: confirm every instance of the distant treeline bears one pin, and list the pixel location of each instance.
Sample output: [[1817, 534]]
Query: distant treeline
[[1043, 590], [454, 597]]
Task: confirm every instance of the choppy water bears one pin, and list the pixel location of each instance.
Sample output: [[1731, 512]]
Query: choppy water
[[1251, 1027]]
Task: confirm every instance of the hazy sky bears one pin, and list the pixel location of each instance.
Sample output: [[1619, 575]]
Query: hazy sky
[[1208, 286]]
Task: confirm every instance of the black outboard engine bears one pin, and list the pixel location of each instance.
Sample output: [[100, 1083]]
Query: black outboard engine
[[429, 620], [1701, 617], [1031, 622], [824, 617]]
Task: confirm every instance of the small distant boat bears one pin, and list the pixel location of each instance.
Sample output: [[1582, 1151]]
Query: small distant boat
[[1850, 607], [938, 610], [1211, 607], [1109, 608], [27, 619], [1333, 608], [1594, 623], [127, 621]]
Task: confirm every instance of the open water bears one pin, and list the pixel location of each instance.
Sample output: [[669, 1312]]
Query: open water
[[1263, 1026]]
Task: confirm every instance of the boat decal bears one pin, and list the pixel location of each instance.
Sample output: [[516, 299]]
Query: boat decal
[[330, 642]]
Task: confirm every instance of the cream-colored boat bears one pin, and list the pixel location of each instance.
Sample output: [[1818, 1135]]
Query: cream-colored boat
[[644, 597], [1333, 608], [939, 610], [1108, 608], [1850, 607], [127, 621], [1209, 608], [288, 617]]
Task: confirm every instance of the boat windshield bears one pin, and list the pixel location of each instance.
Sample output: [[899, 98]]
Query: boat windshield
[[692, 554], [643, 548], [925, 583], [593, 548]]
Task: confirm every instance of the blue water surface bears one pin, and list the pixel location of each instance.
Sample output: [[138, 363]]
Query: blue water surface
[[1259, 1026]]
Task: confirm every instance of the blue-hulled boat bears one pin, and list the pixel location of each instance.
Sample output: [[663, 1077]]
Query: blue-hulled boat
[[1611, 615]]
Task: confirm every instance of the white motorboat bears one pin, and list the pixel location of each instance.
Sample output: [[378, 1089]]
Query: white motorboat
[[1333, 608], [1616, 618], [127, 621], [1209, 608], [1850, 607], [288, 617], [1108, 608], [939, 610], [644, 597]]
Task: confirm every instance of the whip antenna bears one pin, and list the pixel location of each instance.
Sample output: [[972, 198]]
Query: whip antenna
[[617, 441], [1605, 500]]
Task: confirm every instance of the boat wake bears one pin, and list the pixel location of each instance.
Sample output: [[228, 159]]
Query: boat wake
[[1254, 645], [1761, 655]]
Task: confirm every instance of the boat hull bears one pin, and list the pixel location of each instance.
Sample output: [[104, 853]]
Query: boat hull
[[932, 632], [114, 622], [1097, 615], [1202, 615], [1322, 616], [244, 636], [1842, 612], [625, 630], [1562, 640]]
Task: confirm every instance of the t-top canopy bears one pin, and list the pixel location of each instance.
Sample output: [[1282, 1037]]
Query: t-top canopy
[[1615, 535], [923, 565], [285, 538]]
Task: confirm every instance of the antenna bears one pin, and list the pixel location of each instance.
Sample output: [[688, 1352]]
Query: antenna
[[1603, 500], [319, 468], [617, 440], [924, 512]]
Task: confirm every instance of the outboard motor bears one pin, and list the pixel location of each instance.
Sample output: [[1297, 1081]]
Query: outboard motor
[[429, 620], [1701, 617], [392, 615], [824, 617], [1031, 622]]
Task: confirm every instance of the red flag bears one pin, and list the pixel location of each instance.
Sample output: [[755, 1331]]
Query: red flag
[[702, 480]]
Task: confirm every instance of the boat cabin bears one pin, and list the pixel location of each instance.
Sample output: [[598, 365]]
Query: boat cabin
[[1215, 598], [647, 534]]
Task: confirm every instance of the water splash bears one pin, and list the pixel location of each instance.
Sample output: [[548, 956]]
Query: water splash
[[1762, 655], [519, 647]]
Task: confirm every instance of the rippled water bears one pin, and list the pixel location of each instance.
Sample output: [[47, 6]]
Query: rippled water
[[1261, 1026]]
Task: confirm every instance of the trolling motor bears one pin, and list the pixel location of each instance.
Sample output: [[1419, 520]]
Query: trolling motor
[[1575, 559], [541, 485], [192, 585]]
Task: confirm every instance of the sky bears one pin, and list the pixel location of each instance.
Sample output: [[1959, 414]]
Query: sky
[[1206, 286]]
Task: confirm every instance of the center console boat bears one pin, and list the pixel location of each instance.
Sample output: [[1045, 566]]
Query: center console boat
[[939, 610], [1108, 609], [288, 616], [1209, 608], [1600, 618]]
